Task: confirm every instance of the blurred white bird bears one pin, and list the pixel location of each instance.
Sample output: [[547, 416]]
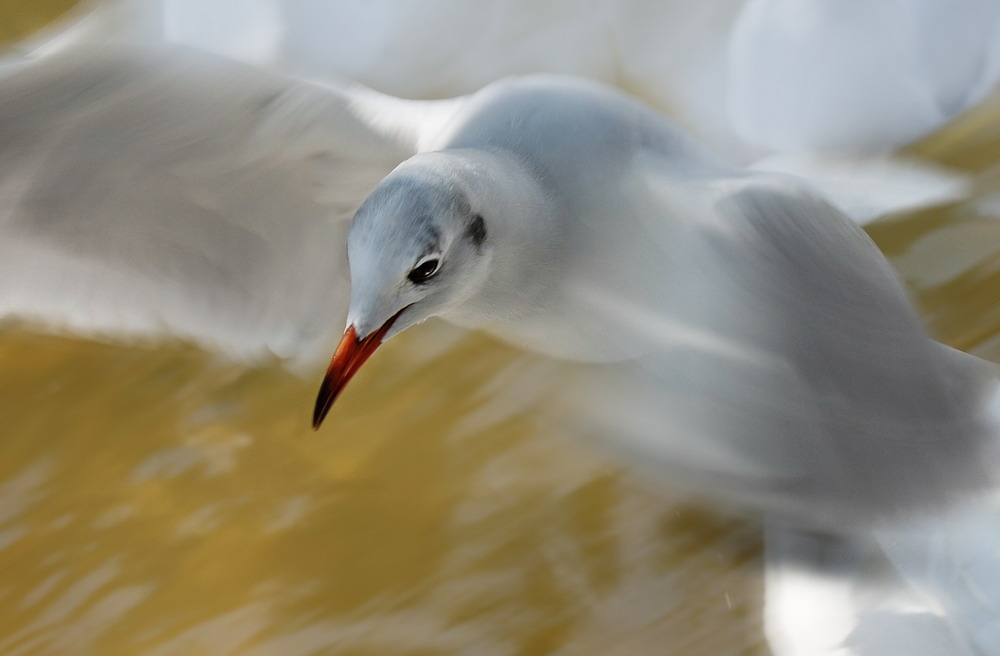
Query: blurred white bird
[[806, 88], [752, 341], [750, 77]]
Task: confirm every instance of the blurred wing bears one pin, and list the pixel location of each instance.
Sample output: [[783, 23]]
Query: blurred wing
[[955, 561], [930, 587], [868, 187], [886, 87], [144, 192], [841, 596], [785, 368]]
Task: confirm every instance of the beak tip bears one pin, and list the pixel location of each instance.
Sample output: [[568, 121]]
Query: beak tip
[[323, 403], [351, 353]]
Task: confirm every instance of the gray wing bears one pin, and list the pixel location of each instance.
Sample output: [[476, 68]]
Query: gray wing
[[786, 368], [145, 192]]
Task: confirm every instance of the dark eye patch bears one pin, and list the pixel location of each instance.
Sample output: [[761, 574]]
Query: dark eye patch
[[477, 230]]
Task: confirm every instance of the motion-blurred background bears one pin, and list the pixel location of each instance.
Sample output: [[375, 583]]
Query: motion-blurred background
[[157, 500]]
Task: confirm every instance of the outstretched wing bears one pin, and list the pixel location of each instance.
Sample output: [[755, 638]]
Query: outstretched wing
[[169, 191], [785, 368]]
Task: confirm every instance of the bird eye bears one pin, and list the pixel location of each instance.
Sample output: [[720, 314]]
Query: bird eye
[[424, 271]]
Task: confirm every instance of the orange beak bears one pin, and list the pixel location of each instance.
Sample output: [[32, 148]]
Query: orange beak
[[351, 353]]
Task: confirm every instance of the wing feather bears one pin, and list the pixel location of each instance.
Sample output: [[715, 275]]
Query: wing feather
[[145, 192]]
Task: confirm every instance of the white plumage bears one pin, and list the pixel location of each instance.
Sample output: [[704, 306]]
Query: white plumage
[[778, 360]]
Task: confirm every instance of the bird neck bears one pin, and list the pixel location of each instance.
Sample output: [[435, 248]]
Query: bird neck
[[522, 232]]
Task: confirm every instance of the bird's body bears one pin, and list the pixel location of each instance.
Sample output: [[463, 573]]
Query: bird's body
[[753, 340], [770, 335]]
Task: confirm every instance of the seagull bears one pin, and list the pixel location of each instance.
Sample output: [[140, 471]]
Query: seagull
[[742, 335]]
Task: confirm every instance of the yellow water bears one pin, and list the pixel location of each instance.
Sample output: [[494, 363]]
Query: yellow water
[[19, 18], [157, 501]]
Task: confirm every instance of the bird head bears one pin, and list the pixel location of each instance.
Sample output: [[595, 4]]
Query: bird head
[[418, 245]]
